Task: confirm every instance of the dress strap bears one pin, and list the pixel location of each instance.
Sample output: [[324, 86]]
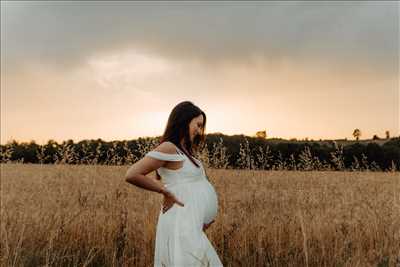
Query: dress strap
[[165, 156], [179, 151]]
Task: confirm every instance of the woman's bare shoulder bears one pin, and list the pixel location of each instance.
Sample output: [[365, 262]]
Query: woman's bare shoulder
[[166, 147]]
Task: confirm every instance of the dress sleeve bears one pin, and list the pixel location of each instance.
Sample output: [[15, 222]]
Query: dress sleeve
[[165, 156]]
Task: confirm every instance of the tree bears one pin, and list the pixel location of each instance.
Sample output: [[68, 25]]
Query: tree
[[357, 134], [375, 137], [387, 134]]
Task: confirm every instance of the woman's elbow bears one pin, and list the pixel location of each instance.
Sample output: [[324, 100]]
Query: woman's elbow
[[130, 178]]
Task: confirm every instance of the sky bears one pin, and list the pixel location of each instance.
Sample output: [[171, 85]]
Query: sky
[[115, 70]]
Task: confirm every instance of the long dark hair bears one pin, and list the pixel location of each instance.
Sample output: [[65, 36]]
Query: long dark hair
[[178, 127]]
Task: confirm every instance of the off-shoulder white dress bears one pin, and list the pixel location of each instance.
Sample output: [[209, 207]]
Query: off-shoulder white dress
[[180, 240]]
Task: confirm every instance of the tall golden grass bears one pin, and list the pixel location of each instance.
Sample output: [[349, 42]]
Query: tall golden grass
[[87, 215]]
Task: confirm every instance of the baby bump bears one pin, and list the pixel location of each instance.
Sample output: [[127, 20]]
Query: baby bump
[[211, 204], [200, 200]]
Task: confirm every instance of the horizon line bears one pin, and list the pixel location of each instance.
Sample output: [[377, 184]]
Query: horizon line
[[11, 140]]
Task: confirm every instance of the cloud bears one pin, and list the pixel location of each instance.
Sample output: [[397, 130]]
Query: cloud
[[68, 33]]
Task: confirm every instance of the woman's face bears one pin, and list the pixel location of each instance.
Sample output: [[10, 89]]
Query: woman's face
[[196, 126]]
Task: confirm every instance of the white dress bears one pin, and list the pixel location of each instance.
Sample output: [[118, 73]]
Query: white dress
[[180, 240]]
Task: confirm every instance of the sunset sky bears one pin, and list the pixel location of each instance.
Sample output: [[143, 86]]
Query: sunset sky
[[115, 70]]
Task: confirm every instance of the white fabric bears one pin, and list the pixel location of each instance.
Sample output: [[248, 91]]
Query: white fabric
[[165, 156], [180, 240]]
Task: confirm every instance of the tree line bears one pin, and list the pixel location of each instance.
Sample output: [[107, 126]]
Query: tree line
[[220, 151]]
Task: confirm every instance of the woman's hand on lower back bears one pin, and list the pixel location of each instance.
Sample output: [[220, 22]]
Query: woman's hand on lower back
[[206, 225], [169, 200]]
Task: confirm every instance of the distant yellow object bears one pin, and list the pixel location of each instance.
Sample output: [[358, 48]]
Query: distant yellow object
[[262, 134]]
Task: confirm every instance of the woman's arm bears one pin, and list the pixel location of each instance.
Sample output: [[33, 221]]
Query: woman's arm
[[136, 174], [144, 182]]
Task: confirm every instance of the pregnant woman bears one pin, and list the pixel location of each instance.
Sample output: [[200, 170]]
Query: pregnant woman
[[190, 201]]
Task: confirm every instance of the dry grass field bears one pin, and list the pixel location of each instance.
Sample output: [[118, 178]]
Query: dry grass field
[[77, 215]]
